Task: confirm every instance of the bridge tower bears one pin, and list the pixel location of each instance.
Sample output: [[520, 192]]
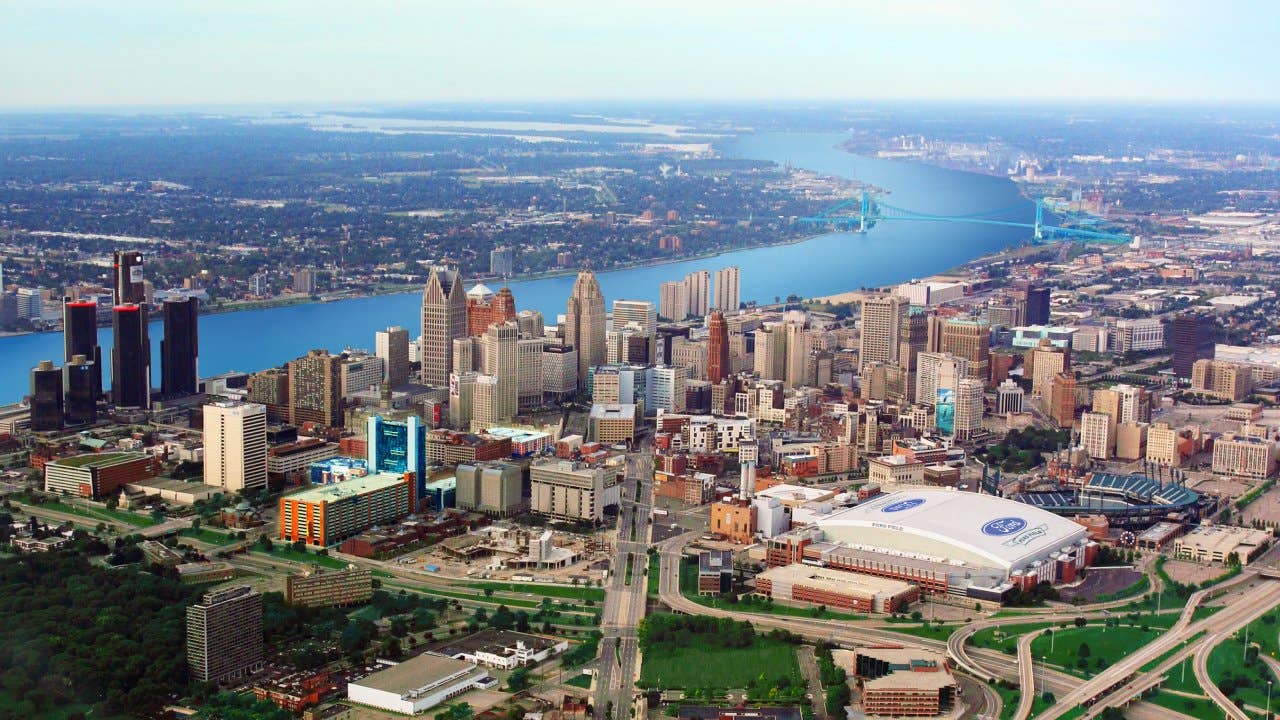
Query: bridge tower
[[1039, 234], [866, 207]]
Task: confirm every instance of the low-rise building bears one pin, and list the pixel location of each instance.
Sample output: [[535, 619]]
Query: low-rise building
[[336, 588], [504, 649], [98, 475], [416, 685], [446, 447], [1221, 543], [197, 573], [836, 589], [570, 490], [895, 470], [1244, 455], [613, 423], [901, 682], [326, 514], [292, 461], [715, 572]]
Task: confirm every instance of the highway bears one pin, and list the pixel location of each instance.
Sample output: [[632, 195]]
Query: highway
[[1026, 675], [624, 604], [1200, 663]]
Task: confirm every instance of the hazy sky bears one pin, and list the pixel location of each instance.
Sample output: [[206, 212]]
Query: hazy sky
[[66, 53]]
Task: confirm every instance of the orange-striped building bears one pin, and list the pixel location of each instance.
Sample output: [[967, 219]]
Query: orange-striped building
[[327, 514]]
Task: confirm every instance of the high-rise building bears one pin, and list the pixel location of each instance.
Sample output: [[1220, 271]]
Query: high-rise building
[[490, 487], [46, 397], [80, 337], [304, 281], [559, 372], [937, 371], [360, 372], [1097, 435], [771, 353], [1062, 400], [392, 345], [1224, 379], [529, 353], [500, 351], [180, 347], [130, 357], [584, 324], [969, 338], [1035, 299], [638, 313], [913, 339], [462, 391], [224, 635], [665, 388], [235, 446], [717, 348], [502, 261], [270, 388], [1193, 337], [444, 318], [1009, 397], [485, 308], [673, 300], [882, 320], [129, 288], [531, 323], [568, 490], [80, 400], [728, 289], [968, 408], [315, 389], [797, 352], [1044, 362], [398, 447], [698, 285], [1141, 335]]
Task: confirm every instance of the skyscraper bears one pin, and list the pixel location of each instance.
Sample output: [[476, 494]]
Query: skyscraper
[[502, 261], [717, 348], [1035, 299], [315, 389], [224, 634], [1193, 339], [130, 357], [80, 337], [180, 347], [969, 338], [398, 447], [392, 345], [500, 353], [129, 287], [444, 318], [640, 313], [235, 446], [728, 288], [673, 300], [484, 308], [80, 399], [46, 397], [698, 284], [584, 324], [882, 319]]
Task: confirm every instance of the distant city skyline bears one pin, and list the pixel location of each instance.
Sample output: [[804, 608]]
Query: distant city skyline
[[59, 55]]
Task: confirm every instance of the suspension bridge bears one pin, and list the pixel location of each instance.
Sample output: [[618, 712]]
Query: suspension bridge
[[860, 213]]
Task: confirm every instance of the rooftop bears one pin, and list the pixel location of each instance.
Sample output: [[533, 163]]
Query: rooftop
[[496, 642], [99, 460], [355, 486], [416, 674], [837, 581]]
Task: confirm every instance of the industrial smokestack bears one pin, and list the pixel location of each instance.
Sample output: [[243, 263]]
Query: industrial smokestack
[[747, 481]]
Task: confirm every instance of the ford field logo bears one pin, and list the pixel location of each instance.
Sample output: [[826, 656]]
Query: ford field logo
[[1004, 526], [904, 505]]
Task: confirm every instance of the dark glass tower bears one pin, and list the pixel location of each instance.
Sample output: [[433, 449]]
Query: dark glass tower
[[130, 358], [1193, 339], [46, 397], [129, 287], [80, 337], [80, 401], [179, 348]]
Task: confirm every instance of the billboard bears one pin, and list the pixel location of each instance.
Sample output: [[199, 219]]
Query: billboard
[[945, 411]]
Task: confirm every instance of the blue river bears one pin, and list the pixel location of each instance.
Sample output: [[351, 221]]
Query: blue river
[[892, 251]]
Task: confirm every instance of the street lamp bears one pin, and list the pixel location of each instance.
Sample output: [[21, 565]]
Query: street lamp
[[1268, 715]]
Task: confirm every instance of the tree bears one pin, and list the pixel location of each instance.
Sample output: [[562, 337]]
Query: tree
[[518, 680], [1081, 622], [399, 627], [1083, 651], [455, 711]]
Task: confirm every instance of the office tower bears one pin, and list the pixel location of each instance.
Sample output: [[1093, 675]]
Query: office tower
[[484, 308], [80, 337], [502, 261], [315, 389], [1035, 303], [398, 447], [1043, 363], [1009, 398], [665, 388], [360, 372], [882, 319], [638, 313], [771, 353], [392, 345], [270, 388], [968, 408], [1141, 335], [46, 397], [235, 446], [673, 300], [698, 285], [130, 357], [466, 355], [444, 318], [531, 323], [970, 339], [717, 348], [490, 487], [728, 289], [1193, 338], [559, 372], [937, 371], [462, 391], [529, 372], [584, 324], [1062, 400], [304, 281], [500, 353], [80, 400], [180, 347], [129, 288], [1097, 435], [224, 635], [797, 352], [913, 339]]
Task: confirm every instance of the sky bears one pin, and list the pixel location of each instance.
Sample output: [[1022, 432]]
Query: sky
[[162, 53]]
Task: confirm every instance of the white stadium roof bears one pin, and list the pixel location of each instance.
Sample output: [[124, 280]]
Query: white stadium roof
[[962, 527]]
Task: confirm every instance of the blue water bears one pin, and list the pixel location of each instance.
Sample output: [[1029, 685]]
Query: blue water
[[828, 264]]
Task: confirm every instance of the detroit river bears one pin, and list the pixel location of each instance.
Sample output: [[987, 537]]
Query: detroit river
[[893, 251]]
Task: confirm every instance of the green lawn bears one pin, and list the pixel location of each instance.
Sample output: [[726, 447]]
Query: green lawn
[[212, 537], [1104, 643], [1229, 658], [284, 552], [931, 632], [1004, 639], [102, 514], [1202, 708], [1140, 586], [556, 591], [651, 587], [580, 680], [1009, 702], [697, 667]]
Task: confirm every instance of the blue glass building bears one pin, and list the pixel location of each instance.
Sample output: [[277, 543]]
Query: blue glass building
[[398, 446]]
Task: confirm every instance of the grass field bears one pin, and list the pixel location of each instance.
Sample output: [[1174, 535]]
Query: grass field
[[284, 552], [932, 632], [1104, 643], [1202, 708], [97, 514], [212, 537], [696, 667], [580, 680], [556, 591]]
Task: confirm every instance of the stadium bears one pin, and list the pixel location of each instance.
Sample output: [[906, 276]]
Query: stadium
[[1129, 501], [944, 541]]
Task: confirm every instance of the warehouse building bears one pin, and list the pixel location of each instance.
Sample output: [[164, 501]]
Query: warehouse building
[[417, 685], [504, 649], [1221, 543]]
